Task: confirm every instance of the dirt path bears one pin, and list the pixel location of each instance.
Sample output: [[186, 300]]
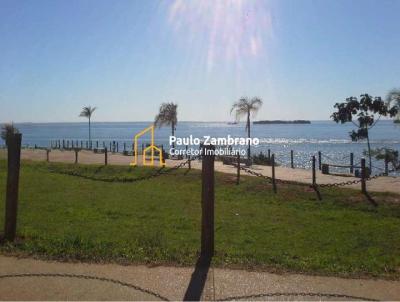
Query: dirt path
[[44, 280], [381, 184]]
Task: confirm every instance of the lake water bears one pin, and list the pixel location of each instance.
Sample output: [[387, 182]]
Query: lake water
[[306, 140]]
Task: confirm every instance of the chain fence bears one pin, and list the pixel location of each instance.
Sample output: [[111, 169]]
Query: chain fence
[[159, 172]]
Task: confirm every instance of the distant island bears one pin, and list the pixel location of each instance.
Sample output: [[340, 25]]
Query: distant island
[[282, 122]]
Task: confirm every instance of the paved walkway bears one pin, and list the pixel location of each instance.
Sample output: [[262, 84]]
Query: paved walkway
[[381, 184], [78, 281]]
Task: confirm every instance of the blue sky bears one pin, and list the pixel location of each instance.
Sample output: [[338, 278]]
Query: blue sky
[[126, 57]]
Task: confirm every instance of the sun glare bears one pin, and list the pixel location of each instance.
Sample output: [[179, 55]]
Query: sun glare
[[229, 30]]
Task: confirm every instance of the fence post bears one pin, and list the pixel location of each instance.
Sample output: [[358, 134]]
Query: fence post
[[386, 164], [273, 172], [47, 155], [291, 159], [76, 156], [105, 157], [319, 160], [351, 162], [238, 169], [14, 161], [63, 144], [269, 154], [363, 176], [189, 161], [314, 178], [207, 203], [124, 146]]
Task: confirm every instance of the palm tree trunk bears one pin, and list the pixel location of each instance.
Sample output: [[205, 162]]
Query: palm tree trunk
[[90, 138], [248, 135], [173, 134]]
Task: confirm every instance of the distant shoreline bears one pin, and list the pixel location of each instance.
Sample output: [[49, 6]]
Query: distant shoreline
[[268, 122]]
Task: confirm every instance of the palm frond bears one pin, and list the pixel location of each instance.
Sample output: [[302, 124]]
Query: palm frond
[[87, 111], [167, 115]]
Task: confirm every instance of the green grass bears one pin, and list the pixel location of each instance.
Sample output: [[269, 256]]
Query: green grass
[[157, 221]]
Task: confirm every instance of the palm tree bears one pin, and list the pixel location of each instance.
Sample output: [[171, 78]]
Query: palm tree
[[244, 107], [393, 97], [7, 130], [87, 112], [167, 115]]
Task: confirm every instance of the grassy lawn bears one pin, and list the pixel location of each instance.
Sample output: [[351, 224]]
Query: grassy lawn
[[158, 221]]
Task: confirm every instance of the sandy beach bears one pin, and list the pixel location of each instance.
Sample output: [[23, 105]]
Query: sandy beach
[[381, 184]]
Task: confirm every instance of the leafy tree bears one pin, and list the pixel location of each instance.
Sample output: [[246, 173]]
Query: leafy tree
[[393, 98], [389, 154], [362, 113], [246, 107], [87, 112], [8, 130], [167, 116]]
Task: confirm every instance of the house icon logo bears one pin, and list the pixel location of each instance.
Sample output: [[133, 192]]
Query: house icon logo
[[152, 149]]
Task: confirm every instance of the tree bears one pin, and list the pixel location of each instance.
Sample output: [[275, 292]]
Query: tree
[[87, 112], [246, 107], [167, 116], [393, 98], [8, 130], [363, 111]]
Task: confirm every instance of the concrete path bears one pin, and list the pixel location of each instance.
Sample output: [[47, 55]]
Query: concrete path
[[78, 281], [381, 184]]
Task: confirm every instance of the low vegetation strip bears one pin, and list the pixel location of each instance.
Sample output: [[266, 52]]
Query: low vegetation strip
[[157, 221]]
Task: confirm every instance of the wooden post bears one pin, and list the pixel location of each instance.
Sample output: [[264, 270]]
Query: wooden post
[[110, 147], [14, 161], [238, 169], [319, 160], [105, 157], [269, 154], [386, 164], [363, 177], [47, 155], [117, 147], [207, 203], [189, 161], [351, 162], [76, 156], [63, 144], [291, 159], [314, 177], [273, 172]]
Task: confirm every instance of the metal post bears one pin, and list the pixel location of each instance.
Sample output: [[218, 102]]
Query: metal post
[[291, 159], [105, 157], [319, 160], [269, 154], [76, 156], [63, 144], [351, 162], [207, 203], [273, 172], [14, 161], [363, 177], [238, 169]]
